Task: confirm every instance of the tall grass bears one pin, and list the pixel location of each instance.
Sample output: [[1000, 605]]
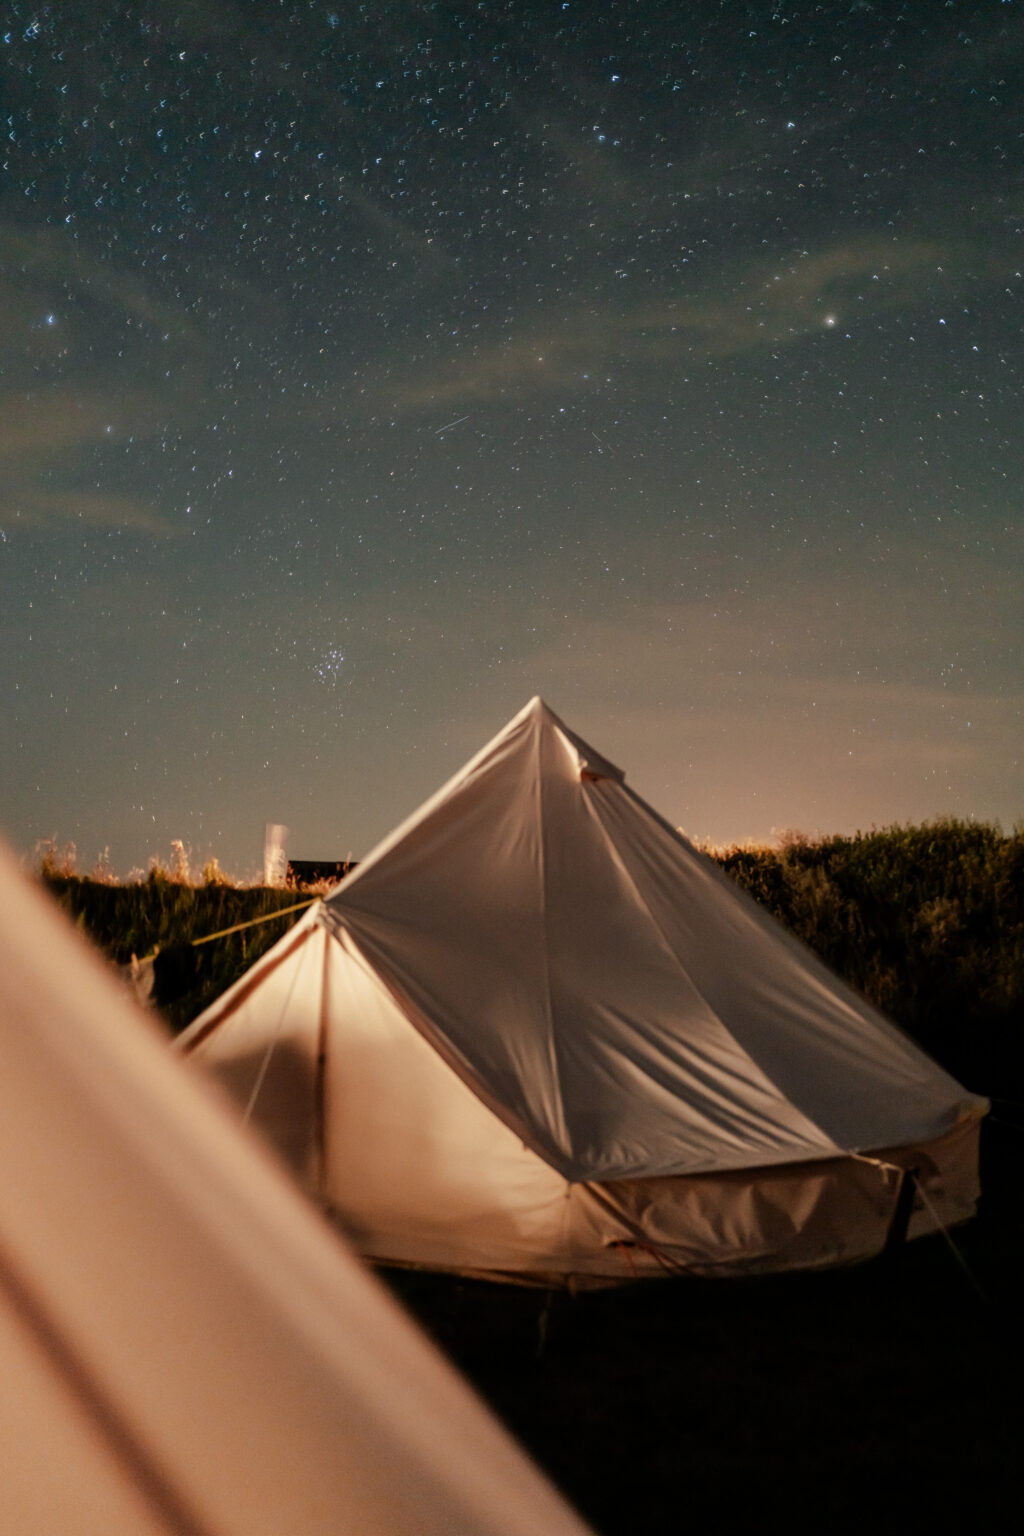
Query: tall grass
[[164, 913], [926, 921]]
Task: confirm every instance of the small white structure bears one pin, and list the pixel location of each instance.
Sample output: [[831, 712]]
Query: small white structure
[[275, 860], [536, 1034], [186, 1349]]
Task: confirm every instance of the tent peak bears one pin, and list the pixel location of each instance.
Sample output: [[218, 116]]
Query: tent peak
[[590, 763]]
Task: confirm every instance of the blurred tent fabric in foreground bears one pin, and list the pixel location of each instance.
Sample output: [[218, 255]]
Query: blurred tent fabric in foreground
[[185, 1346], [536, 1035]]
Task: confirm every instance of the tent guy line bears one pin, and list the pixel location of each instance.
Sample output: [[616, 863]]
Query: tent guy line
[[222, 933]]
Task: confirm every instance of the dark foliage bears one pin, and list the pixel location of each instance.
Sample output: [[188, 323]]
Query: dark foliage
[[167, 916], [926, 922]]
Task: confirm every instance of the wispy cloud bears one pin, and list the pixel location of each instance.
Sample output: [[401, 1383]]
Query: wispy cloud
[[44, 436], [39, 267], [394, 236], [762, 308], [28, 507], [82, 377], [50, 421]]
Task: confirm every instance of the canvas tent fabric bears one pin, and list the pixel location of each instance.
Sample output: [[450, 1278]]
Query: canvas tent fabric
[[186, 1346], [537, 1033]]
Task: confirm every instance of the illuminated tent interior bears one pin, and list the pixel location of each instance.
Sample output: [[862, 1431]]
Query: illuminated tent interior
[[537, 1036], [185, 1346]]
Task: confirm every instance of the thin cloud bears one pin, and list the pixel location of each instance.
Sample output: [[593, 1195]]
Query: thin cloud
[[28, 507], [38, 263], [43, 435], [679, 695], [55, 420], [395, 236], [72, 392], [765, 308]]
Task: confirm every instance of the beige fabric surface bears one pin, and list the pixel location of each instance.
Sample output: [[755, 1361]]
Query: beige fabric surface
[[534, 1000], [185, 1346]]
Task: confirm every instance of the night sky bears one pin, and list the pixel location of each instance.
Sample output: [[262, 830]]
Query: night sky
[[370, 368]]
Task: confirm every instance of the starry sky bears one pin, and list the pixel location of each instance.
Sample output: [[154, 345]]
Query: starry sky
[[367, 369]]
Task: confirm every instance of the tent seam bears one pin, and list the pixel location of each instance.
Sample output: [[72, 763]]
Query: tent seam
[[375, 965], [271, 1047], [545, 946], [833, 1147], [320, 1092]]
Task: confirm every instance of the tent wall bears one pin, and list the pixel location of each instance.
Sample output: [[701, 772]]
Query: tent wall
[[416, 1169], [536, 1032], [185, 1346], [621, 1005], [59, 1470], [798, 1216]]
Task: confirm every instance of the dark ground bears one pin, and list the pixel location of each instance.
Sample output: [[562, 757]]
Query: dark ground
[[881, 1397]]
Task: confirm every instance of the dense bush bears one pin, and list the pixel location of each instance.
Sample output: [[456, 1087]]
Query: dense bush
[[167, 916], [927, 922]]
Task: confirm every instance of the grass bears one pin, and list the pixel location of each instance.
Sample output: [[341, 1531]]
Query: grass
[[927, 922], [164, 913]]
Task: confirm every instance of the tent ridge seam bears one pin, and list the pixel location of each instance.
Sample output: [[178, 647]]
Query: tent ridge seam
[[669, 949], [556, 1069]]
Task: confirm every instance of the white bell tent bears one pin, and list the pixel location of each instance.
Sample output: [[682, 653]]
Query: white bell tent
[[537, 1035], [186, 1348]]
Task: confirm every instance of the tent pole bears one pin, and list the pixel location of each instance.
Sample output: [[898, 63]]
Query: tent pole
[[900, 1224], [319, 1085]]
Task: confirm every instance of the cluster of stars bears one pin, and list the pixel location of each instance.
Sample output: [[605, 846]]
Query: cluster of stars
[[328, 666]]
